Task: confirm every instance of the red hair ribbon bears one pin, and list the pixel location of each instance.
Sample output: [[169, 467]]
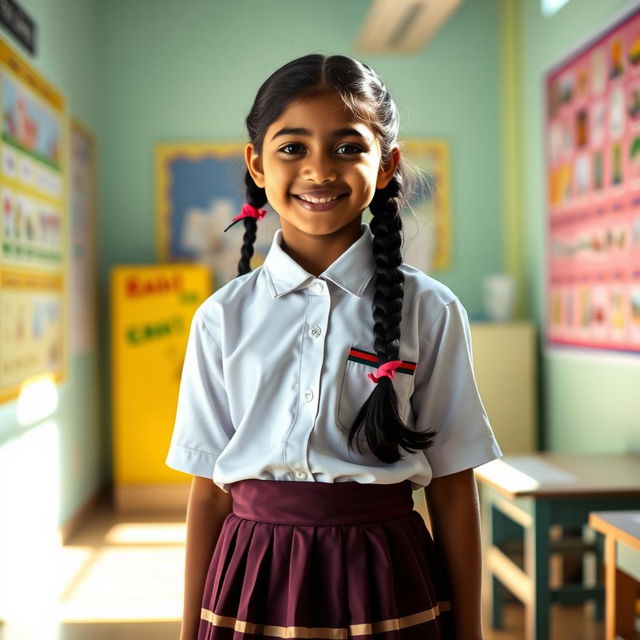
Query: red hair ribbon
[[248, 211], [387, 369]]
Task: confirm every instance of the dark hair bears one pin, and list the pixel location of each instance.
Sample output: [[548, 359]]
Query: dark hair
[[364, 93]]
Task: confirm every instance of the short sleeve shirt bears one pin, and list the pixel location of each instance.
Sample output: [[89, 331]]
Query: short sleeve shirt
[[276, 370]]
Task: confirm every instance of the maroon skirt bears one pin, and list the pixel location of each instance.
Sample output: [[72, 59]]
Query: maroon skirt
[[324, 560]]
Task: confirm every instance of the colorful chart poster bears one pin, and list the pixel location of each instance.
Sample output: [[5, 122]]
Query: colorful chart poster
[[32, 234], [31, 327], [151, 311], [593, 193], [200, 188], [83, 239]]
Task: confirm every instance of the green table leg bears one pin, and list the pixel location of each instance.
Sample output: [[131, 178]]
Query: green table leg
[[537, 550], [499, 532]]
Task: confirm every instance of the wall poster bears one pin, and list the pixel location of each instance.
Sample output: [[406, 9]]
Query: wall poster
[[33, 255], [593, 193], [199, 189]]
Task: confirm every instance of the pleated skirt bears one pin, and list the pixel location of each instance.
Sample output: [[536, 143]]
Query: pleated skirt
[[324, 560]]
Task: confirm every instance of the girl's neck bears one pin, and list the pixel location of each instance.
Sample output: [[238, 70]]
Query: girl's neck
[[315, 253]]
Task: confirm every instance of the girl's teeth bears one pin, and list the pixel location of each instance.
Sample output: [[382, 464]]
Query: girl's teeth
[[315, 200]]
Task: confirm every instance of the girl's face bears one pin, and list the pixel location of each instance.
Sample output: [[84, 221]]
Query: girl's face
[[320, 167]]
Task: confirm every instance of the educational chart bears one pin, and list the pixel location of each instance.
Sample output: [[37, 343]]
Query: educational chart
[[200, 188], [593, 193], [151, 311], [32, 259]]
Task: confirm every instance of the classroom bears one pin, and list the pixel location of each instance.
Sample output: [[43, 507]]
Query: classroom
[[156, 234]]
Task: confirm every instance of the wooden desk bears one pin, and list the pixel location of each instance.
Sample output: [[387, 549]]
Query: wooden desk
[[526, 495], [621, 530]]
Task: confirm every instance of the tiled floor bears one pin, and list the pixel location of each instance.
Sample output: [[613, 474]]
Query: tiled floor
[[121, 579]]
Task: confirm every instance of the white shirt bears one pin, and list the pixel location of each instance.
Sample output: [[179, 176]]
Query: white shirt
[[276, 369]]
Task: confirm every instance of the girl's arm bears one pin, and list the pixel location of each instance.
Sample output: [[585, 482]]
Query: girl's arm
[[207, 508], [455, 519]]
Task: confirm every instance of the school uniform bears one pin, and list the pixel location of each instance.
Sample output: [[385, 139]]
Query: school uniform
[[323, 541]]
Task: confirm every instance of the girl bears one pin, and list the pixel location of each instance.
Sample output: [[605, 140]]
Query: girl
[[320, 389]]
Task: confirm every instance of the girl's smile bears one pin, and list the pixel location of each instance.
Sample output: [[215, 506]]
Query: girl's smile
[[320, 200], [320, 167]]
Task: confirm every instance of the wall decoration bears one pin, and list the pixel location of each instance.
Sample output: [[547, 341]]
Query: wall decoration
[[593, 193], [199, 189], [32, 235], [428, 235], [151, 311]]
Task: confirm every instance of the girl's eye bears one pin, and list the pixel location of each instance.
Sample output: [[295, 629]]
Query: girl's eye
[[348, 149], [291, 148]]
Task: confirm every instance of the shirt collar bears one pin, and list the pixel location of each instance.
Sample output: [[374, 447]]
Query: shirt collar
[[351, 271]]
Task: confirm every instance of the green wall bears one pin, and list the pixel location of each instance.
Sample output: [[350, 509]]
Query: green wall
[[172, 72], [143, 71], [175, 73], [591, 399], [139, 72], [63, 459]]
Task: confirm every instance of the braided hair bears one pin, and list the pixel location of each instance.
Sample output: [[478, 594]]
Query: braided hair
[[364, 93], [257, 198]]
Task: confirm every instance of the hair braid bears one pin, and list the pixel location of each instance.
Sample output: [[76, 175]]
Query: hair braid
[[385, 431], [257, 198]]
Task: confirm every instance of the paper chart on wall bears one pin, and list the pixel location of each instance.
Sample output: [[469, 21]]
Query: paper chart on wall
[[32, 234], [593, 193]]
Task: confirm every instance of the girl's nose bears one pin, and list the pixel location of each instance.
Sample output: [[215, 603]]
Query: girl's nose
[[319, 168]]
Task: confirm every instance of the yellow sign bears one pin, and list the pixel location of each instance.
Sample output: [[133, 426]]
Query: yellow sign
[[152, 307]]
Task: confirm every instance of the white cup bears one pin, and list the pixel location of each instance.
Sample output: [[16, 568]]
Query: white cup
[[499, 296]]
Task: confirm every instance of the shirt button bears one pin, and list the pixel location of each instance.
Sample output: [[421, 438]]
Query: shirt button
[[301, 474], [318, 287], [315, 331], [308, 395]]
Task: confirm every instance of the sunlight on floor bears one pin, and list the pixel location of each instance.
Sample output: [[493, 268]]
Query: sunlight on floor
[[146, 533], [113, 573], [127, 583]]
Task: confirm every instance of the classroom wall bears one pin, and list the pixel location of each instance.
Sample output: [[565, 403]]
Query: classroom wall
[[590, 399], [58, 461], [139, 72], [177, 73]]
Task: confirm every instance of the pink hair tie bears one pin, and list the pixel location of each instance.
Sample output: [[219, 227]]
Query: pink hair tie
[[387, 369], [248, 211]]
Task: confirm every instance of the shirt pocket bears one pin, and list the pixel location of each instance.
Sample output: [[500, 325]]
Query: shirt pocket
[[356, 387]]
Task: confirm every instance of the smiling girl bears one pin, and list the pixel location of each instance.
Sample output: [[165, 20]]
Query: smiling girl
[[324, 387]]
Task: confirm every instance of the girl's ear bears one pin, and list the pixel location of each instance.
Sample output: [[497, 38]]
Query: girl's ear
[[388, 169], [254, 164]]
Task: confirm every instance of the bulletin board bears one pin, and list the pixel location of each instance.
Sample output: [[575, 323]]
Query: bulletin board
[[33, 233], [200, 188], [593, 192]]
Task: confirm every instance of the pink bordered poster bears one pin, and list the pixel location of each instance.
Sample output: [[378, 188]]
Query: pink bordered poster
[[593, 193]]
